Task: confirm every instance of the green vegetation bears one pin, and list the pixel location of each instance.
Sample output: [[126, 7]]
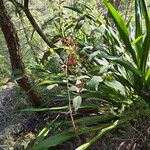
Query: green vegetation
[[90, 61]]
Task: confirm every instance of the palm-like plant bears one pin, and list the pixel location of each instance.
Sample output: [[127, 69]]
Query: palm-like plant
[[134, 63]]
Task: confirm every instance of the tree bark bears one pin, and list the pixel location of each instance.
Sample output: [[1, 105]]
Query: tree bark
[[12, 41]]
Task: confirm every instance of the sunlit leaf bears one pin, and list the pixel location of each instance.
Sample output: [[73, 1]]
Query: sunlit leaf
[[117, 85], [44, 109], [136, 40], [49, 82], [64, 136], [49, 87], [73, 88], [102, 133], [122, 28], [77, 102], [94, 82]]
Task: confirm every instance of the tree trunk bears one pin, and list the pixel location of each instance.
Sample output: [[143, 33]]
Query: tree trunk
[[12, 41]]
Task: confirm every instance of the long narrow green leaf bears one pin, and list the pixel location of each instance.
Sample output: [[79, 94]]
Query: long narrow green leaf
[[145, 52], [137, 75], [123, 81], [147, 77], [49, 82], [108, 94], [95, 119], [134, 42], [146, 43], [138, 29], [43, 133], [122, 28], [44, 109], [103, 132], [127, 65], [53, 108], [62, 137], [145, 13], [116, 17]]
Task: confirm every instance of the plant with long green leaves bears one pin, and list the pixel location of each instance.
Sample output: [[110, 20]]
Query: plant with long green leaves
[[116, 75], [137, 49]]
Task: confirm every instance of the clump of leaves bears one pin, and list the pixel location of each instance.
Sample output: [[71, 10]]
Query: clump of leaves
[[110, 75]]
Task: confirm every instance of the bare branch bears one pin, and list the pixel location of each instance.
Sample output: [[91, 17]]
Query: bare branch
[[33, 22], [26, 4], [17, 4]]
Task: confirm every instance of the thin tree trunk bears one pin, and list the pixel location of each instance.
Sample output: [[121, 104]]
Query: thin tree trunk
[[12, 41]]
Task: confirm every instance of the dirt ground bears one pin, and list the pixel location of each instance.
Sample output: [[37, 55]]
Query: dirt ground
[[12, 124], [18, 129]]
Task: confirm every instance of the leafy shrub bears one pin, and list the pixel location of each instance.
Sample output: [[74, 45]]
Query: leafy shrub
[[99, 67]]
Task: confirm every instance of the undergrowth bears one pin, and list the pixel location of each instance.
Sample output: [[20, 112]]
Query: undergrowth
[[95, 78]]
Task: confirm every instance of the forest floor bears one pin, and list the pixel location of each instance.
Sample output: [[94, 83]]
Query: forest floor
[[17, 129]]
